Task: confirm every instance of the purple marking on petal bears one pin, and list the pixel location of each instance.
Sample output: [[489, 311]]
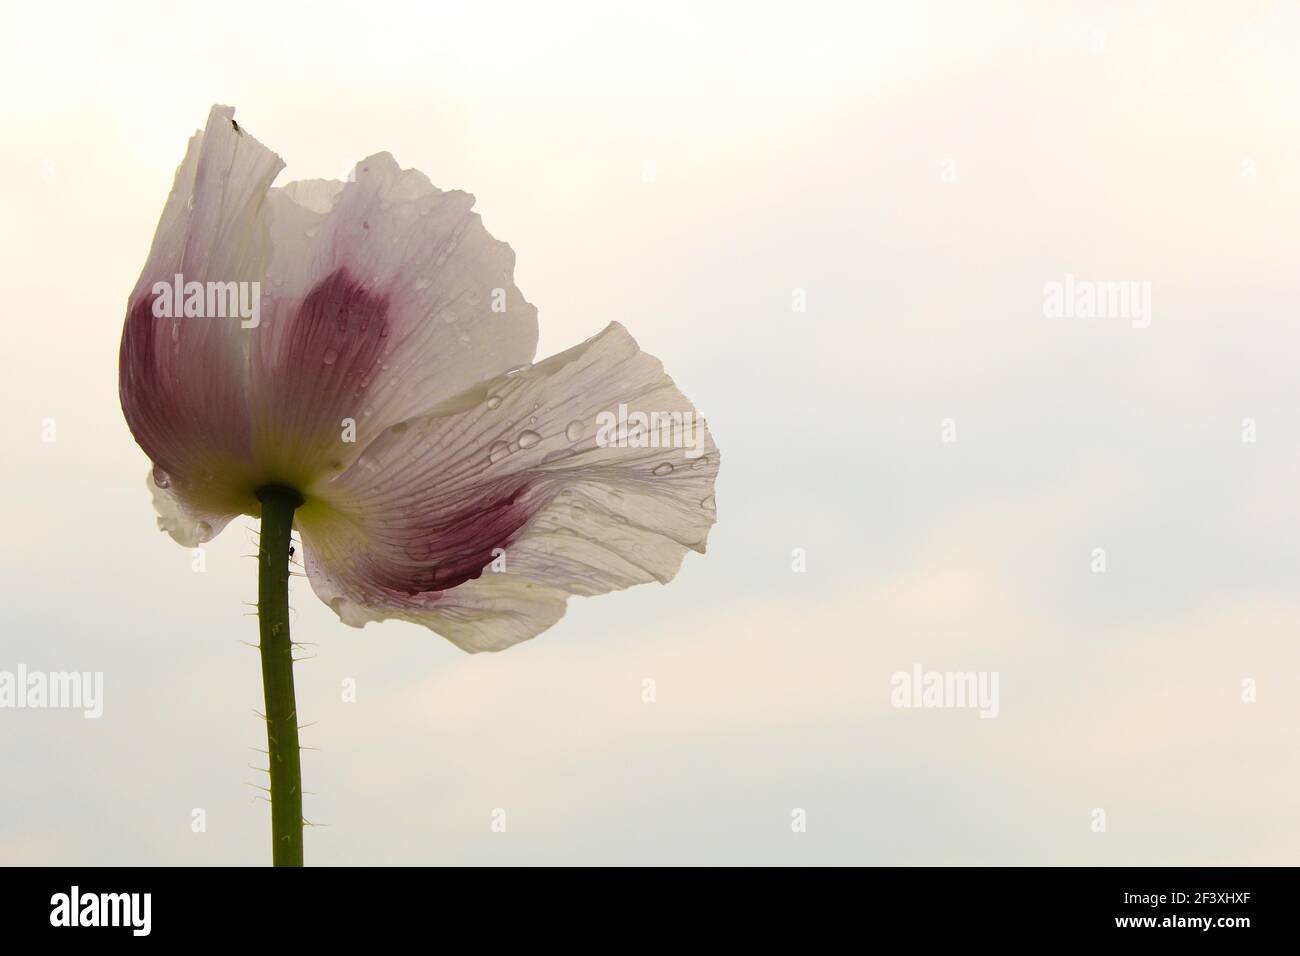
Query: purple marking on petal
[[318, 373], [443, 551], [138, 371], [339, 324], [182, 387]]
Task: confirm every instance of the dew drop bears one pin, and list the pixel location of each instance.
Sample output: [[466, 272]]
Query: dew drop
[[663, 469], [330, 357], [494, 401], [161, 478], [204, 529], [528, 439], [498, 451], [574, 431]]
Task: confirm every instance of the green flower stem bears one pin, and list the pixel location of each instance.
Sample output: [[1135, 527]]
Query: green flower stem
[[278, 506]]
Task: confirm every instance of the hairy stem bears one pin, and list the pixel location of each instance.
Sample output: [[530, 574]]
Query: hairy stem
[[278, 505]]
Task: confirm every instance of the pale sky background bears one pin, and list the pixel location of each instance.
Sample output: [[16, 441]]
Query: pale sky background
[[795, 146]]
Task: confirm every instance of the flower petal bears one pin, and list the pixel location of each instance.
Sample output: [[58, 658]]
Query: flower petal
[[385, 296], [479, 518], [176, 514], [183, 381]]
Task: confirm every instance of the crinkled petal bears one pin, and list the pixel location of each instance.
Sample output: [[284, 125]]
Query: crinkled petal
[[183, 381], [481, 517], [385, 296]]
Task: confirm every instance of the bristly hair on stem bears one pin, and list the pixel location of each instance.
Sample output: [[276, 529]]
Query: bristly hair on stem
[[278, 506]]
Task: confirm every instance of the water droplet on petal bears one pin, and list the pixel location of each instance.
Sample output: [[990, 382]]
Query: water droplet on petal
[[529, 439], [204, 529], [498, 451], [663, 469], [494, 401], [574, 431], [330, 357], [161, 478]]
